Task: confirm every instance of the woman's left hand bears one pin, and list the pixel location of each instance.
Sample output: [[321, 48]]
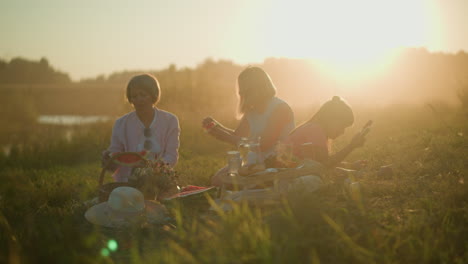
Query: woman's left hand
[[105, 161], [358, 140], [208, 123]]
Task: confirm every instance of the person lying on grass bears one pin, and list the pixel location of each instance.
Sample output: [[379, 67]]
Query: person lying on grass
[[313, 139]]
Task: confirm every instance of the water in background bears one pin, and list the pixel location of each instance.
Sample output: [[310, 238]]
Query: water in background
[[71, 119], [50, 128]]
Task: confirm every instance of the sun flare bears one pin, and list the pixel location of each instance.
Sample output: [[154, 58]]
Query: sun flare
[[348, 36]]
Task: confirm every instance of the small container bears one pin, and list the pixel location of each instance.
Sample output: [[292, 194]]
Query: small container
[[234, 162], [353, 188], [255, 155], [243, 147]]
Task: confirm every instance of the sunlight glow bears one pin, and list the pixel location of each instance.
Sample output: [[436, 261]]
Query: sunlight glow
[[349, 36]]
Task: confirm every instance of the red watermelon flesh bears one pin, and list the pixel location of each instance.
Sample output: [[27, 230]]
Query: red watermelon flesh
[[190, 190], [129, 159]]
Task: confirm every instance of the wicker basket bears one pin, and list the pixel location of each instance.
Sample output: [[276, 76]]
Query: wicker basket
[[146, 185], [105, 189]]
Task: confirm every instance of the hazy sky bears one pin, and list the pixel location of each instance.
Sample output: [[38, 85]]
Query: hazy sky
[[90, 37]]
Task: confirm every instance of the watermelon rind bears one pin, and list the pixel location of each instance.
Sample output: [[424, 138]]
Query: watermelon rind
[[189, 193], [136, 159]]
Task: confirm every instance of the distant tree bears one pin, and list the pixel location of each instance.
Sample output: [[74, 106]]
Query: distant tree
[[3, 64], [462, 94], [414, 76], [22, 71]]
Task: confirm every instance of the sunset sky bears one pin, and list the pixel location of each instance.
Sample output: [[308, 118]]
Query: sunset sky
[[87, 38]]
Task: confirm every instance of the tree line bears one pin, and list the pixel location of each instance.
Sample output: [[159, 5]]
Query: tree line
[[414, 75], [23, 71]]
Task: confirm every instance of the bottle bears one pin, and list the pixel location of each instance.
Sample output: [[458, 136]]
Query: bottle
[[257, 155], [243, 147], [234, 163], [353, 188]]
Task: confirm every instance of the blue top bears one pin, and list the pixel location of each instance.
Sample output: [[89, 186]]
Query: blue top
[[259, 121]]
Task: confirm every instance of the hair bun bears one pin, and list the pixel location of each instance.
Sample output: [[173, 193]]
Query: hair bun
[[336, 98]]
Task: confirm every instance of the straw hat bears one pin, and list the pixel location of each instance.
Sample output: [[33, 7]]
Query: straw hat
[[126, 206]]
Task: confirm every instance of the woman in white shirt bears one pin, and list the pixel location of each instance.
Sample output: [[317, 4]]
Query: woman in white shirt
[[147, 128]]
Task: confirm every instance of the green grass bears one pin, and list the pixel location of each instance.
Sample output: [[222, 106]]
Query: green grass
[[417, 215]]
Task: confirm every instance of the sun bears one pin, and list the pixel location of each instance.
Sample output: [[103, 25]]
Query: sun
[[348, 36]]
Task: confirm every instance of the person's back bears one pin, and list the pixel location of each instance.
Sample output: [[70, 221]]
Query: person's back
[[311, 140], [258, 122], [263, 115], [306, 138]]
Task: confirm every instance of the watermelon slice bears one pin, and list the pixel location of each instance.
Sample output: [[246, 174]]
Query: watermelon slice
[[128, 159], [191, 190], [191, 201]]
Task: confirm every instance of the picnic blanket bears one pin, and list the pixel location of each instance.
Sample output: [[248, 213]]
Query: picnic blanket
[[305, 178]]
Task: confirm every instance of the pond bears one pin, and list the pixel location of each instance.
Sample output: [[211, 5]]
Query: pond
[[71, 119], [63, 127]]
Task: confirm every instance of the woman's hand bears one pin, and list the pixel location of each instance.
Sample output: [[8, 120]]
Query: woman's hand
[[105, 159], [220, 132], [208, 123], [359, 139]]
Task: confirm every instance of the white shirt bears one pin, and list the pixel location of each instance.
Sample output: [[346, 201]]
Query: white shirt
[[128, 135]]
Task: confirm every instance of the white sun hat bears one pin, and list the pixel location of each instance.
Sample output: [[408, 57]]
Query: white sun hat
[[126, 206]]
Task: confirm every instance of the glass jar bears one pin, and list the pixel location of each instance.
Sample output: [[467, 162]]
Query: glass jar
[[234, 162], [255, 155], [243, 147]]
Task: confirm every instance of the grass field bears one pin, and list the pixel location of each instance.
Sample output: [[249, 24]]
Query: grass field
[[417, 215]]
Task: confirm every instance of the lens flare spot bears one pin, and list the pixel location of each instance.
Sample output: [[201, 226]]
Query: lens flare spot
[[112, 245], [105, 252]]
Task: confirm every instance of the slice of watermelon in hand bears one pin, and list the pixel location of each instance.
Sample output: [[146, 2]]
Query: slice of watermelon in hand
[[129, 159]]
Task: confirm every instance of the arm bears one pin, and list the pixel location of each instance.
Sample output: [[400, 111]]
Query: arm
[[335, 159], [171, 152], [280, 118], [356, 165], [228, 135], [320, 154], [357, 141], [115, 146], [313, 145]]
